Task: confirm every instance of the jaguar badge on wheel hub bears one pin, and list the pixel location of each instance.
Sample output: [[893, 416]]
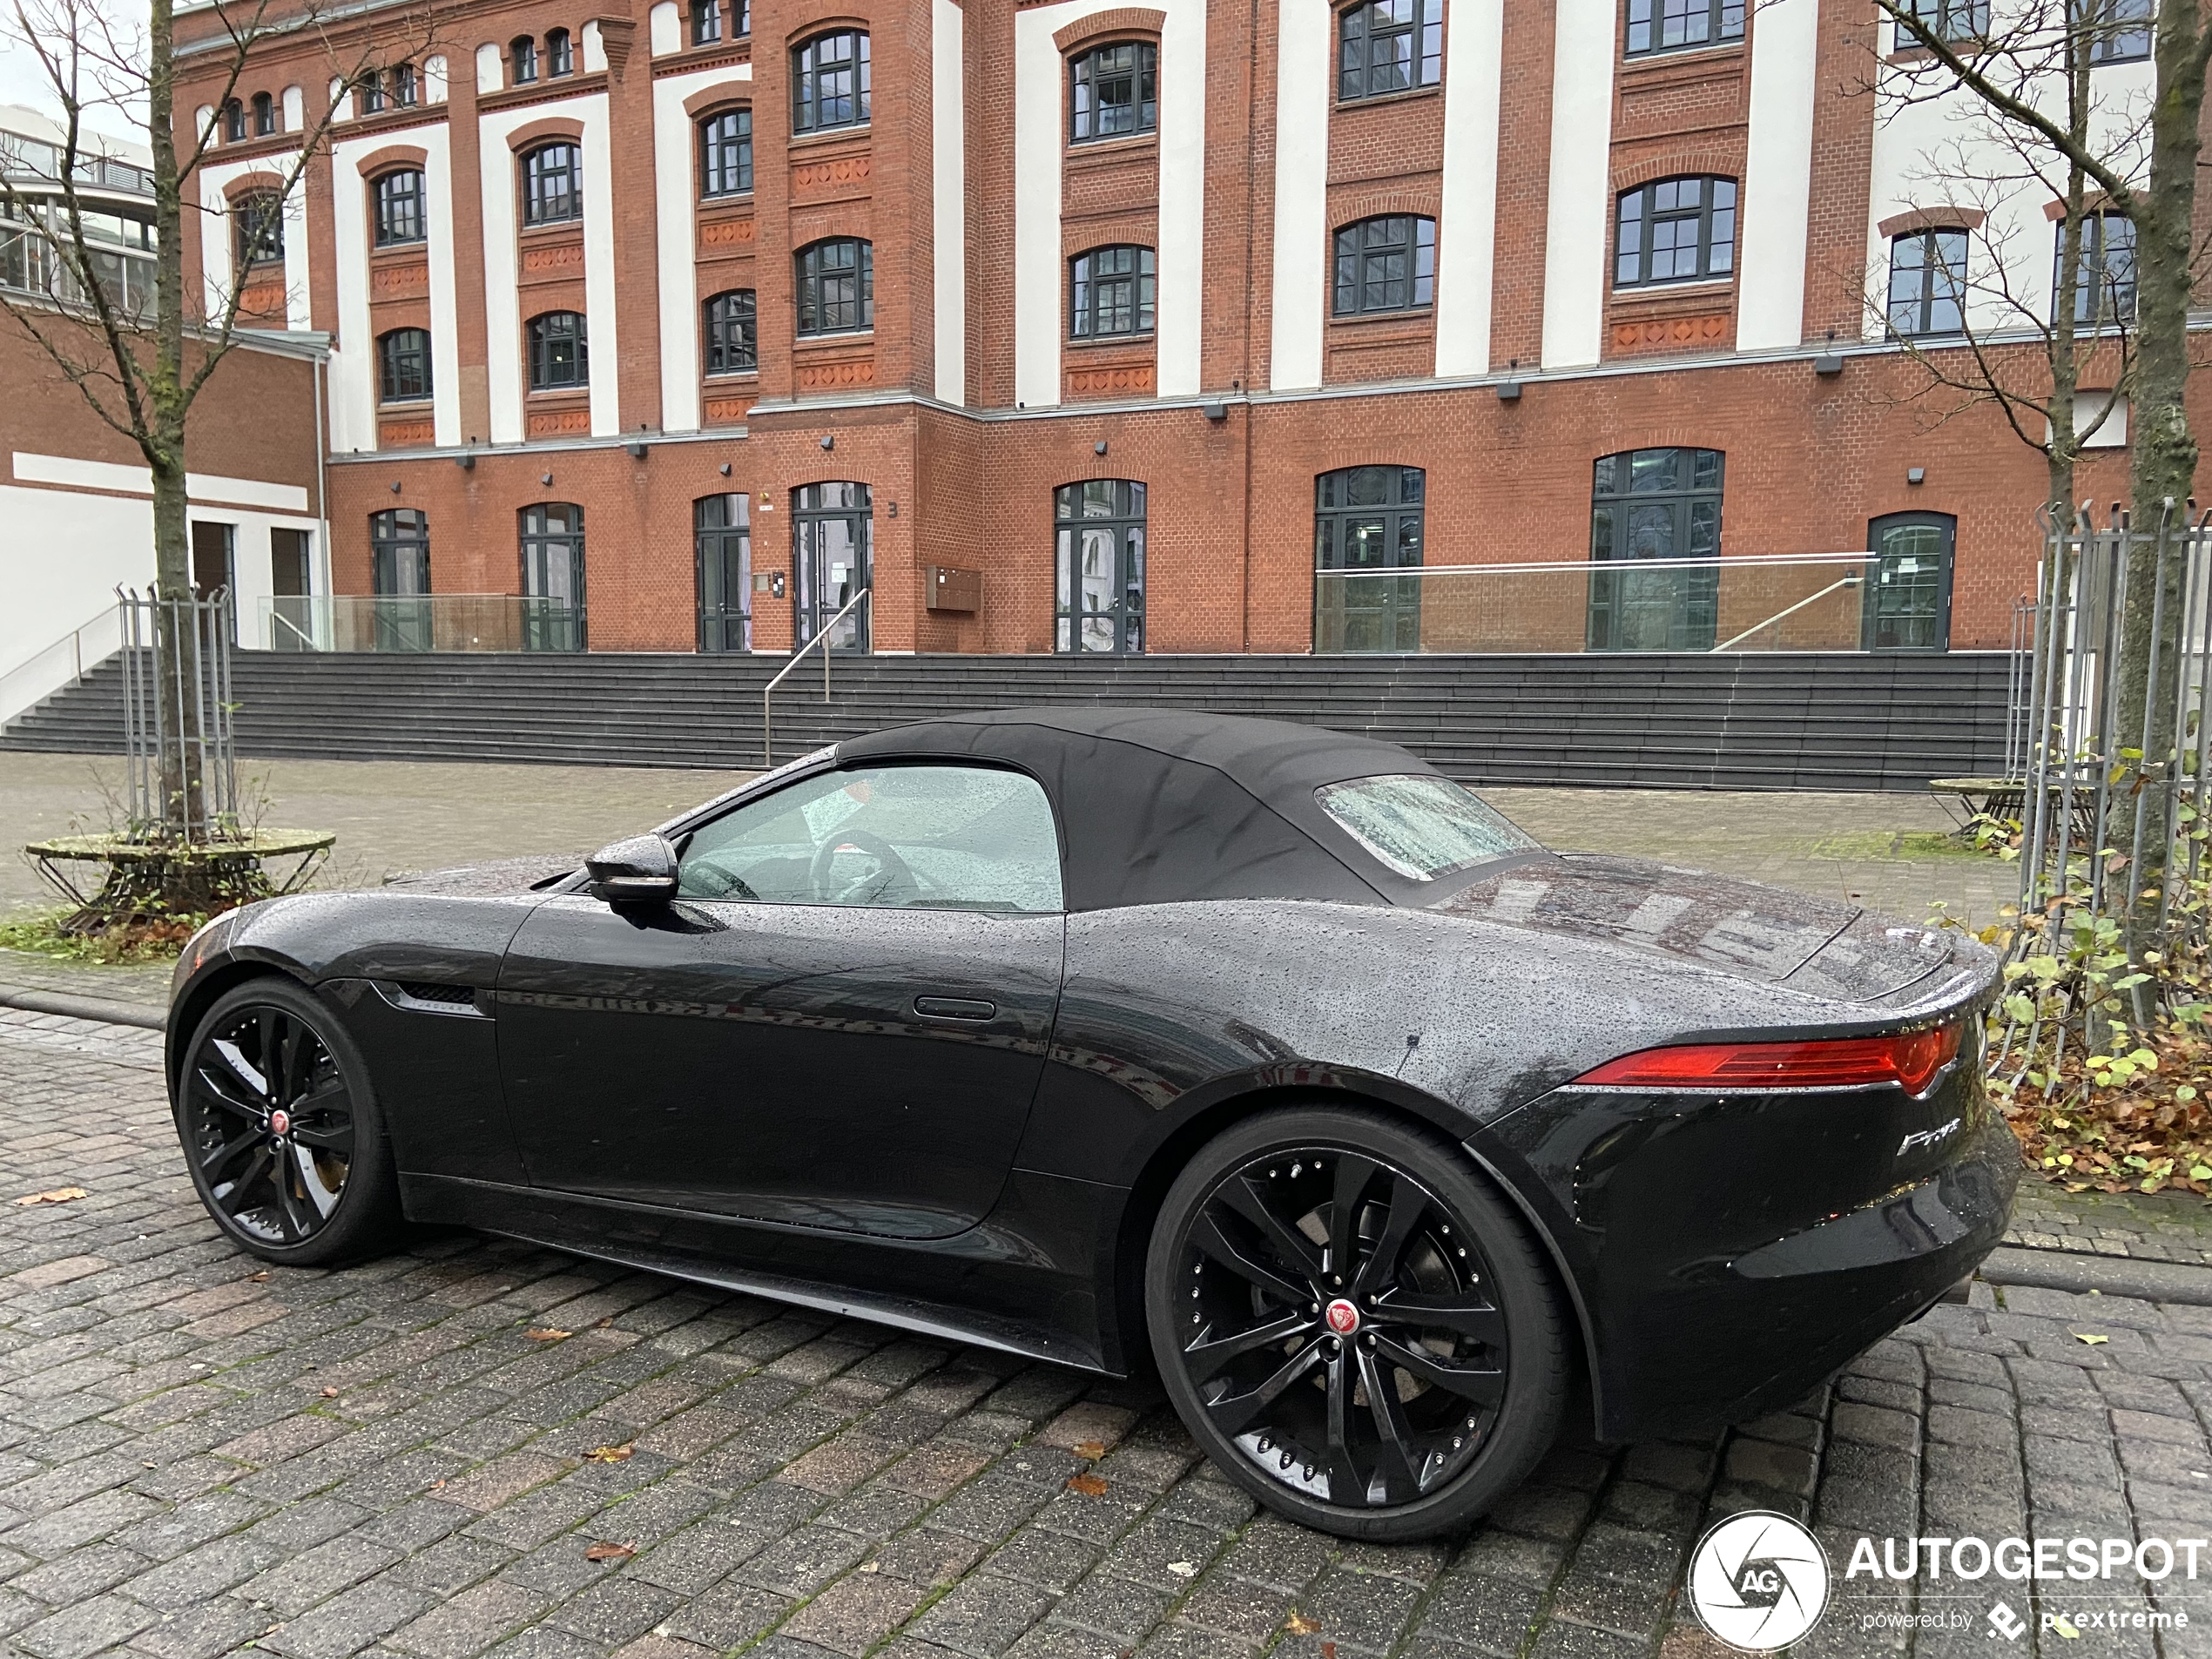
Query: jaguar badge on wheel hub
[[1343, 1317]]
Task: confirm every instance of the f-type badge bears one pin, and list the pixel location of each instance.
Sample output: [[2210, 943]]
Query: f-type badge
[[1927, 1136]]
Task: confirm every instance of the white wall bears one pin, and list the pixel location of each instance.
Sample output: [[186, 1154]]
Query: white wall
[[1581, 195], [353, 356], [1467, 231], [948, 197], [674, 209], [502, 306], [1304, 55], [1040, 145], [1775, 204], [216, 240]]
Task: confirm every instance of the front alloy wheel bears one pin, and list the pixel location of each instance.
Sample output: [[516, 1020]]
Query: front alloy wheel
[[1334, 1312]]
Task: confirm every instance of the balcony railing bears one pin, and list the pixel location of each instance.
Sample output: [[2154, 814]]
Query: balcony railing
[[1825, 602], [442, 622]]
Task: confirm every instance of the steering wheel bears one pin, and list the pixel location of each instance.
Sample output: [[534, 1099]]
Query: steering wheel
[[895, 867], [712, 883]]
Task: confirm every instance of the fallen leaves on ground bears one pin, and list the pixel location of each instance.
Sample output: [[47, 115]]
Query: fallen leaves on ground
[[330, 1393], [59, 1194], [609, 1552], [1182, 1569], [261, 1277], [547, 1333], [610, 1454], [1090, 1484], [2079, 1336], [2149, 1131], [1092, 1449], [1299, 1625]]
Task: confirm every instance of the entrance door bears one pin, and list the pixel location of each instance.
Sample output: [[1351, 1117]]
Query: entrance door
[[1908, 582], [399, 563], [553, 577], [1100, 550], [1368, 518], [1661, 507], [291, 628], [834, 532], [840, 1024], [214, 564], [725, 572]]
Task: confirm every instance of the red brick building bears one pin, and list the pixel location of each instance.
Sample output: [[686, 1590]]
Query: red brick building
[[688, 321]]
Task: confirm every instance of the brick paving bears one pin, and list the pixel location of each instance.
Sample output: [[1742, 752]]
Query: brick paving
[[198, 1455], [2142, 1226]]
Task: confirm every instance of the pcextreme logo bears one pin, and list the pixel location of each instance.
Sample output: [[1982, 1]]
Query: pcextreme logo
[[1759, 1581]]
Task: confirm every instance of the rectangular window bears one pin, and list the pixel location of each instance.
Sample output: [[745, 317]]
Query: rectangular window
[[560, 357], [259, 228], [1951, 22], [1386, 264], [837, 287], [403, 365], [1389, 46], [1677, 230], [725, 153], [829, 82], [2105, 273], [1682, 26], [1115, 92], [399, 208], [732, 344], [552, 184], [706, 22], [2119, 30], [1928, 282], [1111, 292]]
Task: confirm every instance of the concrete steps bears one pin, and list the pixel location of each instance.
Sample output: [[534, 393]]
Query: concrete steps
[[1809, 721]]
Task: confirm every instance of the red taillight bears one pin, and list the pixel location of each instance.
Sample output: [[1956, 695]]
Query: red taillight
[[1910, 1059]]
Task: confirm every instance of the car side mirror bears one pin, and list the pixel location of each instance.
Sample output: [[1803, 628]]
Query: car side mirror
[[638, 870]]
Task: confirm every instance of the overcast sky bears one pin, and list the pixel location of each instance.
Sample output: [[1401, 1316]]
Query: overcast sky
[[22, 79]]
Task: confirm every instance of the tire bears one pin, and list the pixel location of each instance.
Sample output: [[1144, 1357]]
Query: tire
[[1444, 1304], [300, 1173]]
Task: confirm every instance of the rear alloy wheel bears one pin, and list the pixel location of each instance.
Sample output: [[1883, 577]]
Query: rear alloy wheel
[[1353, 1324], [284, 1141]]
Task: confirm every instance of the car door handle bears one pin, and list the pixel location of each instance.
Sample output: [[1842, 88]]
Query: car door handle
[[954, 1008]]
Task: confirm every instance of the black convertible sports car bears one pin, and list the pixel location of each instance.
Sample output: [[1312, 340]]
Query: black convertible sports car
[[1114, 1036]]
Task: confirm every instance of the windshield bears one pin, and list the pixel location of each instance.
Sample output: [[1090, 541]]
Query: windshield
[[1420, 826]]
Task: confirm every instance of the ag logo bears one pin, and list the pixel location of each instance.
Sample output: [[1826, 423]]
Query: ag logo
[[1759, 1582]]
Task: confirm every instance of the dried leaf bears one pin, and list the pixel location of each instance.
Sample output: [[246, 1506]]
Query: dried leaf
[[261, 1277], [2091, 1342], [1092, 1449], [547, 1333], [1090, 1484], [610, 1454], [330, 1393], [1299, 1625], [871, 1567], [1328, 1650], [1182, 1569], [609, 1552], [59, 1194], [602, 1324]]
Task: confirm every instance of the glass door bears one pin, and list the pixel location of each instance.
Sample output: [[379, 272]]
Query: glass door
[[1369, 518], [1100, 534], [834, 532], [399, 556], [553, 577], [725, 572], [1658, 505], [1908, 582]]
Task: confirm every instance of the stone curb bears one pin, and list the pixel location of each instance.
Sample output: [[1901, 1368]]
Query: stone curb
[[106, 1010], [2057, 1270]]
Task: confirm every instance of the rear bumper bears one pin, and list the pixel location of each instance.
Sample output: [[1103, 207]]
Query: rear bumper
[[1722, 1267]]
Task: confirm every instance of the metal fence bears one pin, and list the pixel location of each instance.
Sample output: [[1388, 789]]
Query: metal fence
[[181, 765], [2101, 772]]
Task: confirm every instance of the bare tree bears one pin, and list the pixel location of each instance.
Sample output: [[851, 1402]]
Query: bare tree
[[140, 369], [2150, 182]]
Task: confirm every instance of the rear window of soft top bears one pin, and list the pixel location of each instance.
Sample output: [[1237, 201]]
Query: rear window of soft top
[[1421, 827]]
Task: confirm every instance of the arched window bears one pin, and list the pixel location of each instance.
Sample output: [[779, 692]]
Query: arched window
[[1368, 518], [1389, 46], [257, 222], [1109, 293], [371, 92], [265, 115], [560, 57], [406, 89], [706, 22], [552, 538], [1114, 92], [399, 208], [1675, 230], [559, 351], [829, 82], [725, 153], [2104, 281], [733, 346], [1928, 282], [836, 286], [1907, 603], [1386, 264], [233, 122], [1682, 26], [553, 184], [399, 572], [1656, 504], [521, 59], [1098, 529], [722, 526], [403, 365]]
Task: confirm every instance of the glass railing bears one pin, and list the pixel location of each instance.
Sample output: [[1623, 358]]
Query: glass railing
[[440, 622], [1825, 602]]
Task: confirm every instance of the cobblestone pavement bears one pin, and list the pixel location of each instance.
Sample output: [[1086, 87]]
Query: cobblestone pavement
[[404, 1459], [2146, 1226]]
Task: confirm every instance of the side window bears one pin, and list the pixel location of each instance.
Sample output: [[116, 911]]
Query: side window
[[914, 837]]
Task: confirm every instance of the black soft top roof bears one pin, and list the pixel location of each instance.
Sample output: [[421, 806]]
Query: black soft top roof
[[1162, 805]]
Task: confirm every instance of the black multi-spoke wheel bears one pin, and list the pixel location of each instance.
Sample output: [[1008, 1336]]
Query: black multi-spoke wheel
[[1353, 1324], [277, 1126]]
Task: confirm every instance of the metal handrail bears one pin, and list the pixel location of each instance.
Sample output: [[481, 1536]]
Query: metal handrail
[[74, 640], [822, 638], [1848, 581]]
